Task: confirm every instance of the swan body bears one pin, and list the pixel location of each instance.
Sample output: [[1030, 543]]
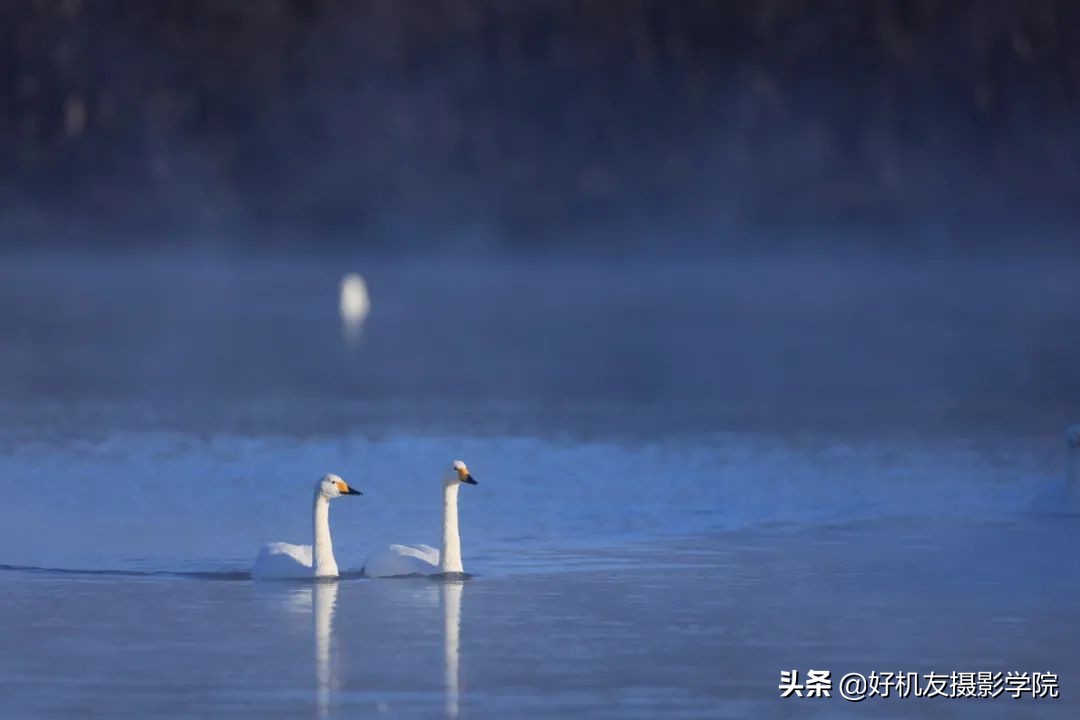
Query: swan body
[[280, 561], [400, 560], [403, 560], [354, 305]]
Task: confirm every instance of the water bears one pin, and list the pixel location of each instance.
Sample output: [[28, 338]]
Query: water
[[659, 540], [611, 579]]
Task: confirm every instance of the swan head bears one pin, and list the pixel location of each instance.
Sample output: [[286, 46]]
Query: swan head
[[458, 473], [331, 486], [1072, 436]]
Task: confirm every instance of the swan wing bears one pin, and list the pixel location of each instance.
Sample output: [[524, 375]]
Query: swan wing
[[400, 560], [282, 561]]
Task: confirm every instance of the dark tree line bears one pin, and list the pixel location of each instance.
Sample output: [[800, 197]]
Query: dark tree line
[[525, 118]]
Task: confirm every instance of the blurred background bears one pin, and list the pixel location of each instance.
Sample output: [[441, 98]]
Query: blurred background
[[776, 211], [575, 125]]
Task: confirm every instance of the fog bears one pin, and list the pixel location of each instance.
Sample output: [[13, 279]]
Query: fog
[[791, 342], [657, 215]]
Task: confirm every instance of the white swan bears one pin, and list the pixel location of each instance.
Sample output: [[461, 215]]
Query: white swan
[[354, 304], [399, 560], [284, 560]]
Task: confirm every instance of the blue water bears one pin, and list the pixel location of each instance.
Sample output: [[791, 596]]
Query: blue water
[[677, 499], [172, 501], [611, 579]]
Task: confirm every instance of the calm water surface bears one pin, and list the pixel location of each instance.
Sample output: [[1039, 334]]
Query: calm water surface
[[672, 602]]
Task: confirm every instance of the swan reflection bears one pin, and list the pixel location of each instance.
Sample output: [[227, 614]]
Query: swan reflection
[[324, 600], [451, 603]]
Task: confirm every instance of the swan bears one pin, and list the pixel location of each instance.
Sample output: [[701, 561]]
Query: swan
[[400, 560], [354, 304], [284, 560]]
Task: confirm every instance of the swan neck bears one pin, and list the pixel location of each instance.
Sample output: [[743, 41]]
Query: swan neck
[[322, 549], [451, 541]]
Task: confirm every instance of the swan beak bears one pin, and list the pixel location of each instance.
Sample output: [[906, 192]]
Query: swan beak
[[469, 479], [344, 489]]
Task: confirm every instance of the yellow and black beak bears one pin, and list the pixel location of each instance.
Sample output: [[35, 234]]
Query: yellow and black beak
[[346, 490], [465, 477]]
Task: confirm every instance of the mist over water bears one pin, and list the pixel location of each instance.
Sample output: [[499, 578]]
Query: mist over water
[[656, 345]]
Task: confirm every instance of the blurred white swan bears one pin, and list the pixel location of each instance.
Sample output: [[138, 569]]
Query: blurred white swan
[[284, 560], [354, 304], [400, 560]]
